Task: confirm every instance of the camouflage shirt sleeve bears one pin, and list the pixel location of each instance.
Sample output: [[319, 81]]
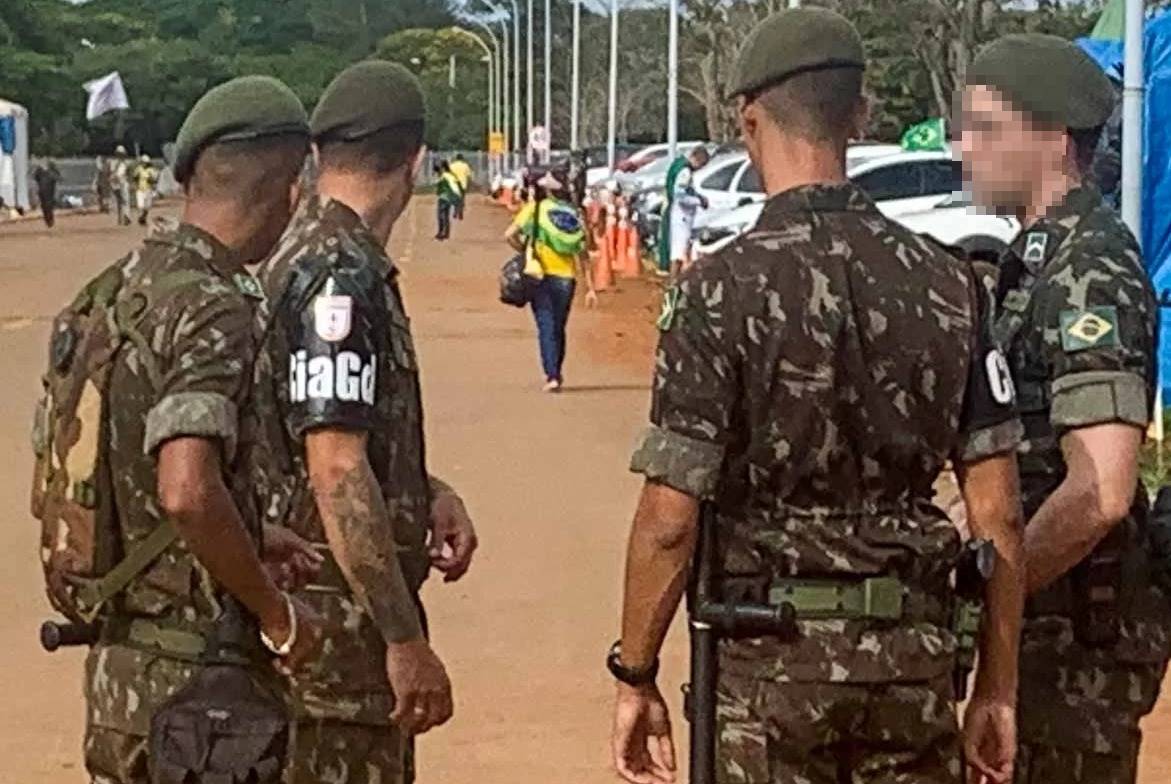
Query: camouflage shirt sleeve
[[1099, 336], [988, 421], [337, 337], [695, 387], [202, 383]]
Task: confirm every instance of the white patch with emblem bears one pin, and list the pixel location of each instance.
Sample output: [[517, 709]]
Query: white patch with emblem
[[333, 316], [1036, 242], [999, 377]]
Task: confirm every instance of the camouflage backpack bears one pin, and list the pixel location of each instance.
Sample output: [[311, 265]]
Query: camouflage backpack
[[72, 491]]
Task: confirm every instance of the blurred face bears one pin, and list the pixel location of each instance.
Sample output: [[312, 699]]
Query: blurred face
[[1007, 156]]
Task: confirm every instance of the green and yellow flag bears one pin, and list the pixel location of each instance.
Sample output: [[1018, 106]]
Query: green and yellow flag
[[927, 136]]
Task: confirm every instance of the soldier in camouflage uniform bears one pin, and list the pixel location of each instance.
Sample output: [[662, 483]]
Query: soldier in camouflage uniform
[[812, 380], [1077, 315], [345, 465], [178, 433]]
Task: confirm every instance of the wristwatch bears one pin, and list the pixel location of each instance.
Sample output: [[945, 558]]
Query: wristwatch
[[629, 675], [285, 648]]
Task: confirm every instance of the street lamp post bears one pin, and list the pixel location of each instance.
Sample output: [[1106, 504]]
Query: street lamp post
[[495, 103], [548, 86], [673, 79], [529, 84], [573, 97], [612, 124], [487, 58]]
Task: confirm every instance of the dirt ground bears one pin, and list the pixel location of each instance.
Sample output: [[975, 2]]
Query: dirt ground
[[545, 478]]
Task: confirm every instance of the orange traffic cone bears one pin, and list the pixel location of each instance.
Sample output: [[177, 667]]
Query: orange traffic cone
[[632, 263], [606, 239]]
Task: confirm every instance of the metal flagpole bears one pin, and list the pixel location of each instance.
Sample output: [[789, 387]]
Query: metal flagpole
[[529, 83], [673, 80], [612, 125], [1133, 94], [574, 98]]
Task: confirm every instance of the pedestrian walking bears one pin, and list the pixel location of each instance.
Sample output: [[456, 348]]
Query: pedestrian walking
[[463, 173], [146, 179], [1078, 316], [679, 212], [47, 176], [551, 232], [101, 184], [812, 380], [120, 177], [450, 196], [190, 616], [344, 464]]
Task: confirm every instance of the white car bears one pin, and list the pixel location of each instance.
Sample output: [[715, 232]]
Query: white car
[[921, 190], [637, 162]]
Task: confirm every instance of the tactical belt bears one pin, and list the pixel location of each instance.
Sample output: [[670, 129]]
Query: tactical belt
[[883, 598], [153, 637]]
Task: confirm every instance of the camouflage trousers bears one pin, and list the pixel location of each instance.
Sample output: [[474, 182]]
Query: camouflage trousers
[[1079, 714], [124, 686], [836, 733]]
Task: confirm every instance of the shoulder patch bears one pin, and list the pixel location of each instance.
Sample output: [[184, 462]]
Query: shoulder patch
[[333, 316], [1089, 328], [999, 377], [670, 307]]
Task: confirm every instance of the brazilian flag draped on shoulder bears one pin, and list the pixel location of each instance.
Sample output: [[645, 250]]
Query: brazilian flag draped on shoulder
[[449, 189], [557, 225], [927, 136]]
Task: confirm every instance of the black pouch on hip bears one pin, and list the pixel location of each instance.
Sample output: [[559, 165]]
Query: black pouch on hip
[[223, 727]]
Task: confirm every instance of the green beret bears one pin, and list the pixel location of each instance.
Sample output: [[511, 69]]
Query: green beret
[[1047, 77], [248, 107], [364, 99], [795, 41]]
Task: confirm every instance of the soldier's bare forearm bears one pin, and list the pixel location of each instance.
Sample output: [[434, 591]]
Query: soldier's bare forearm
[[658, 559], [361, 534], [192, 492], [992, 495], [1099, 486]]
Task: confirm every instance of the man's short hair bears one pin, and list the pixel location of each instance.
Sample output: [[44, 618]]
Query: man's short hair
[[817, 105], [381, 152], [248, 170], [1085, 147]]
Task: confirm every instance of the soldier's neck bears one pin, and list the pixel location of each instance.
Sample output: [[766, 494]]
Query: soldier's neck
[[223, 222], [1049, 192], [377, 201], [794, 163]]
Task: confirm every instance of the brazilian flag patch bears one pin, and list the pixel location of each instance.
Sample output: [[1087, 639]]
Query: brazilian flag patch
[[1089, 328], [670, 306]]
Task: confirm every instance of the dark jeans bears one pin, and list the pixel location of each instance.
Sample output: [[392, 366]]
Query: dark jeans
[[551, 303], [444, 215], [459, 210]]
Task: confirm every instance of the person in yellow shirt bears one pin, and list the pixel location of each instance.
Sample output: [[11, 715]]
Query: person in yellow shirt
[[463, 173], [549, 229]]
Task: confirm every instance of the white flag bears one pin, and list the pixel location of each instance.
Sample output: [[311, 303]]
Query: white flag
[[105, 94]]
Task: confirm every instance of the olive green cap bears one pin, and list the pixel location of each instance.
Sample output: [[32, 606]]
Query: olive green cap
[[364, 99], [1047, 77], [248, 107], [795, 41]]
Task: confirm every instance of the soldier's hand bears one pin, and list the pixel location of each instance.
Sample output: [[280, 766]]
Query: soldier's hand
[[591, 299], [291, 561], [453, 537], [308, 642], [643, 750], [421, 689], [990, 740]]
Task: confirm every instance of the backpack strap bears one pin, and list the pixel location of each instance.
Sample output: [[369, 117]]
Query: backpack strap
[[94, 594]]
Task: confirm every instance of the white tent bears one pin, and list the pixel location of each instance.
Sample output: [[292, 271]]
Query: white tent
[[14, 163]]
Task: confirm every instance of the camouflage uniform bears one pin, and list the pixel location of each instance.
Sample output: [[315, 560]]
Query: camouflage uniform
[[187, 377], [812, 380], [338, 353], [1077, 316]]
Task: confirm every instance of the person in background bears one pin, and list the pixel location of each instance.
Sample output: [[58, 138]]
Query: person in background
[[551, 232], [450, 198], [146, 178], [679, 212], [101, 184], [120, 182], [463, 173], [46, 177]]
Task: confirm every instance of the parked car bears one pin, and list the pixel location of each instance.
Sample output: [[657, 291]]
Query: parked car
[[921, 190], [637, 164]]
